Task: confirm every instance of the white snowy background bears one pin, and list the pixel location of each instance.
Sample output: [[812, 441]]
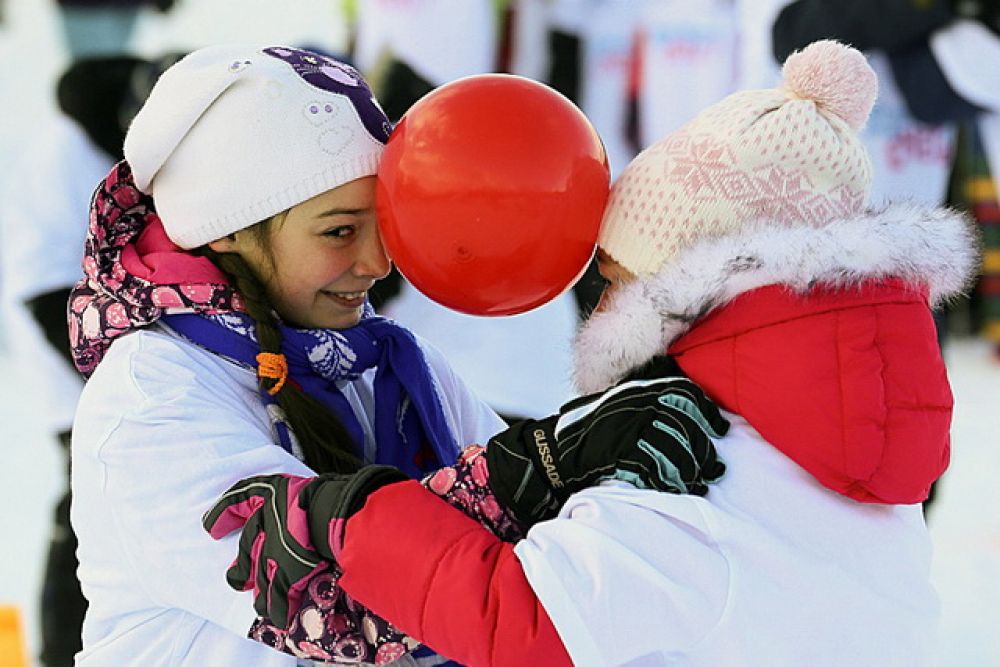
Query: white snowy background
[[965, 522]]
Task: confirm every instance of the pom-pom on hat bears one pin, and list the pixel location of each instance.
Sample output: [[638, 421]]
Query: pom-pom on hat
[[232, 135], [787, 156]]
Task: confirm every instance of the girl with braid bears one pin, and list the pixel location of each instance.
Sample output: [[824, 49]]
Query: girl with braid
[[224, 329]]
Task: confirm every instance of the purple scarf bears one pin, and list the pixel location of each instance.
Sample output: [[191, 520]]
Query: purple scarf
[[410, 427], [135, 276]]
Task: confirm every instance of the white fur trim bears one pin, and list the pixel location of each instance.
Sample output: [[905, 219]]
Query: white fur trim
[[931, 246]]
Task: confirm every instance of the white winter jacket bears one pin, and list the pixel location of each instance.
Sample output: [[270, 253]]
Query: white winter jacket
[[770, 568], [163, 428]]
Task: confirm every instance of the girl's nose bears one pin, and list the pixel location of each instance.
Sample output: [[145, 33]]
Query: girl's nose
[[372, 259]]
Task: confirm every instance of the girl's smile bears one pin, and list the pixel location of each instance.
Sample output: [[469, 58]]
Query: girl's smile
[[347, 299]]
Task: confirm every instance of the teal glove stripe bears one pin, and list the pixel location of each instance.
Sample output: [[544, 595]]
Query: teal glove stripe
[[548, 502], [632, 478], [665, 469], [690, 408], [529, 471]]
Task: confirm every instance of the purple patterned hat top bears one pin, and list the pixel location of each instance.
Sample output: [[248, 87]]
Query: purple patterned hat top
[[335, 77]]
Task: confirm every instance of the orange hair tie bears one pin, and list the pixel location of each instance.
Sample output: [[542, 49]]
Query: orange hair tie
[[273, 366]]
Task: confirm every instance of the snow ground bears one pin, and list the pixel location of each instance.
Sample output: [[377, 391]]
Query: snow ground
[[965, 523]]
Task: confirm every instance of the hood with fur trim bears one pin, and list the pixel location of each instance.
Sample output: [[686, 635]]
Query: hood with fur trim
[[821, 339], [930, 247]]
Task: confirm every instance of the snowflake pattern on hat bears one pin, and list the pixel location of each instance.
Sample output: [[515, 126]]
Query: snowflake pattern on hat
[[757, 157]]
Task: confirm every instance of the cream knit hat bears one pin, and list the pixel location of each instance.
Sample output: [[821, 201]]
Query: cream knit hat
[[232, 135], [787, 156]]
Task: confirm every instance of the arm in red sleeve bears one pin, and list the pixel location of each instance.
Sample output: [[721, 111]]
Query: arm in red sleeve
[[442, 578]]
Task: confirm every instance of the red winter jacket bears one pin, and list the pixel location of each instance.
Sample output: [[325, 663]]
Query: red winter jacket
[[849, 384], [441, 577]]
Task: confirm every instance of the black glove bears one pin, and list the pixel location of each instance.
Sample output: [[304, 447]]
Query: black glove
[[660, 366], [265, 507], [401, 88], [655, 434]]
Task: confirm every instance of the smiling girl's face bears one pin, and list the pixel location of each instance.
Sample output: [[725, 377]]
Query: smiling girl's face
[[323, 256]]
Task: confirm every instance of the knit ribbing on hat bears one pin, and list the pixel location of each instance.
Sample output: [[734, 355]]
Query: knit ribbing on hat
[[785, 155], [232, 135]]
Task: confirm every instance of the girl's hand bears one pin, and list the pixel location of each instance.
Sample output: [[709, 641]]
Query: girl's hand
[[654, 434], [292, 530]]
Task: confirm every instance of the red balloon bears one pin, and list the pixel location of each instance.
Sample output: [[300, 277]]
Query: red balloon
[[490, 194]]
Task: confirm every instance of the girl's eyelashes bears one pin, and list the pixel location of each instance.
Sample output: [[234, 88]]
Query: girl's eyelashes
[[340, 231]]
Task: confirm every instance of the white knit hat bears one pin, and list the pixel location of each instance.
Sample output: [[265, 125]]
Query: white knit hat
[[787, 156], [232, 135]]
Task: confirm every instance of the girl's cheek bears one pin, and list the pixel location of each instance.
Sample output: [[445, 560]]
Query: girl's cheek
[[334, 265], [606, 295]]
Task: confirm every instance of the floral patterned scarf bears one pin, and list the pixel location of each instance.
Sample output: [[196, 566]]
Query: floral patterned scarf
[[133, 274]]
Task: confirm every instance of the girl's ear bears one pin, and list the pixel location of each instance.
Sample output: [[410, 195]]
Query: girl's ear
[[225, 244]]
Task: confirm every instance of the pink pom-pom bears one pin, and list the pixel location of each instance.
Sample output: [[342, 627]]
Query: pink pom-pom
[[835, 76]]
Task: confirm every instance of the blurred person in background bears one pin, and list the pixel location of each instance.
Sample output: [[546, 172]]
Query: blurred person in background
[[101, 27], [967, 52], [974, 189], [43, 222], [518, 364], [583, 49], [411, 47], [638, 68], [688, 53]]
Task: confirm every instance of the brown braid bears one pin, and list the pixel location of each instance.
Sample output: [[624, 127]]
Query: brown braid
[[325, 442]]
